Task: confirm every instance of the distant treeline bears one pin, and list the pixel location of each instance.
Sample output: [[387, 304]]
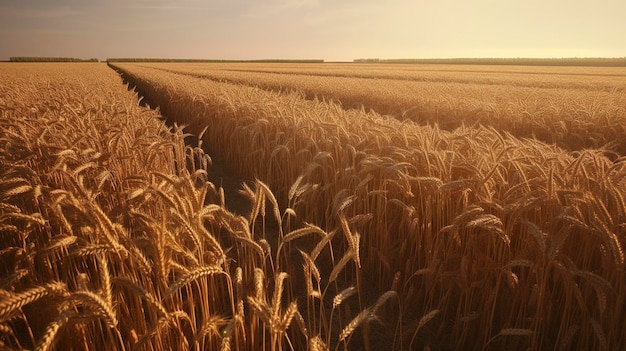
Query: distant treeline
[[210, 60], [574, 61], [49, 59]]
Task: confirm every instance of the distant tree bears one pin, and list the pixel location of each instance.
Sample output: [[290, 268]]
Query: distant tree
[[212, 60], [48, 59], [572, 61]]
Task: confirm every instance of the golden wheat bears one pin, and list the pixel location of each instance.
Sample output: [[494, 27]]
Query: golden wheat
[[473, 229]]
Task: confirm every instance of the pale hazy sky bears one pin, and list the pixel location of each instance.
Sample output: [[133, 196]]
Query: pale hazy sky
[[324, 29]]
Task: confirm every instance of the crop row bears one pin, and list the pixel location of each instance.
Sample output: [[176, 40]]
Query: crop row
[[487, 240], [112, 237], [590, 79], [574, 119]]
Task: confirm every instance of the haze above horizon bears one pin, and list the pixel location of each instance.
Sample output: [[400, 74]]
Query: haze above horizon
[[311, 29]]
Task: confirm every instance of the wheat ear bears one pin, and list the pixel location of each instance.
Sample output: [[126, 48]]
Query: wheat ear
[[16, 301]]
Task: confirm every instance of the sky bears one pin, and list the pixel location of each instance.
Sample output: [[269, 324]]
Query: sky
[[333, 30]]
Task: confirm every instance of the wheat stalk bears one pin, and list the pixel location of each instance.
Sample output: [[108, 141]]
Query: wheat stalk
[[212, 325], [193, 276], [97, 303], [103, 267], [15, 301], [47, 340], [143, 293], [343, 295], [354, 323]]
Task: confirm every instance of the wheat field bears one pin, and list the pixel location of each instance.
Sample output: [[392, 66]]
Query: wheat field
[[388, 207], [573, 107]]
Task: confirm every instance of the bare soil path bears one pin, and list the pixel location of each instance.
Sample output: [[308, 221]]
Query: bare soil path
[[220, 174]]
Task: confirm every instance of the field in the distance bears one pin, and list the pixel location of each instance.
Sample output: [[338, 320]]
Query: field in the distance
[[389, 207], [575, 107]]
